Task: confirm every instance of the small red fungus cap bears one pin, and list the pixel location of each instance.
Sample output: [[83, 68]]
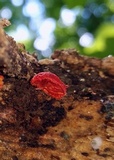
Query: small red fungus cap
[[50, 84], [1, 81]]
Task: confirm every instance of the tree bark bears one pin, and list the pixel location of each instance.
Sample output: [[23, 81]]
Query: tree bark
[[33, 125]]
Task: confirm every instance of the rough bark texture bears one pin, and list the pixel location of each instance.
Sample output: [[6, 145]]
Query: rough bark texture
[[34, 126]]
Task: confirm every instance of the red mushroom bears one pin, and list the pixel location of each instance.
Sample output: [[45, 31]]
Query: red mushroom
[[50, 84]]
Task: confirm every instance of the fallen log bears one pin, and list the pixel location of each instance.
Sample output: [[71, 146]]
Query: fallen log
[[36, 126]]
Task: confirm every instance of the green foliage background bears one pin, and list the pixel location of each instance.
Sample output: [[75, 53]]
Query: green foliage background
[[100, 24]]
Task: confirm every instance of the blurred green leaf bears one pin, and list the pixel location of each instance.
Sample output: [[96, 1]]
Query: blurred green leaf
[[73, 3], [104, 41]]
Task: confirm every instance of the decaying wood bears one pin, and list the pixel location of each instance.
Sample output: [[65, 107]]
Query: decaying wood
[[34, 126], [14, 60]]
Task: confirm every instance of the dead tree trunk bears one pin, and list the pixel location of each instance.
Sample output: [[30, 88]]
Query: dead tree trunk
[[33, 125]]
